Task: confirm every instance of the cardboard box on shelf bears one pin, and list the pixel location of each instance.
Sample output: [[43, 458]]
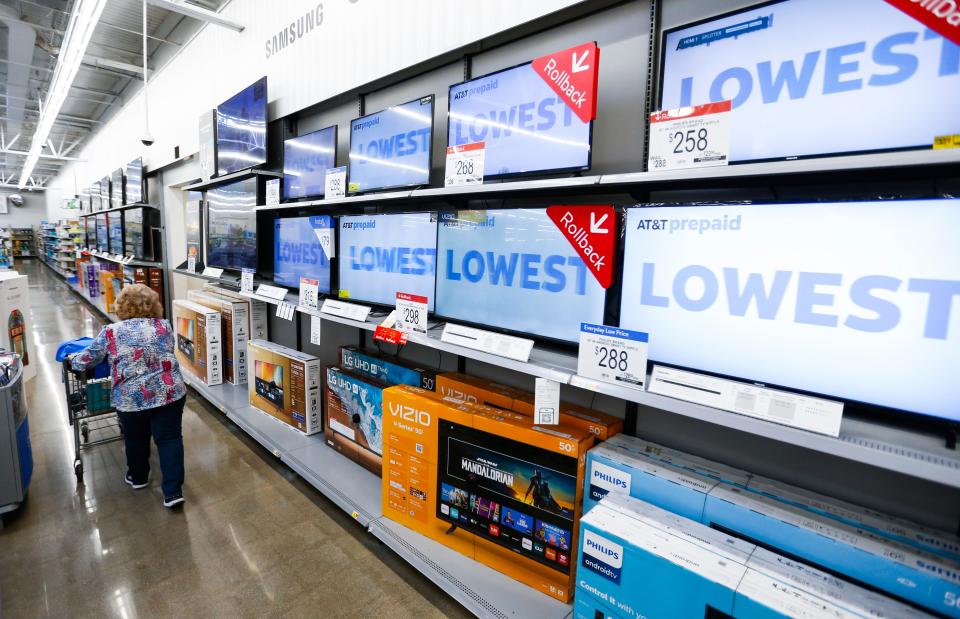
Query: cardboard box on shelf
[[234, 325], [258, 310], [389, 370], [197, 333], [285, 384], [353, 420]]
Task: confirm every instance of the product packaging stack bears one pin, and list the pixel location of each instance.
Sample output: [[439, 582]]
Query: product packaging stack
[[286, 384], [257, 310], [198, 349], [234, 331]]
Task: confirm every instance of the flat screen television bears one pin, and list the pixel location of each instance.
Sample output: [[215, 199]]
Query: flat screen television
[[136, 185], [139, 224], [193, 223], [232, 225], [105, 192], [306, 160], [381, 255], [297, 252], [90, 231], [115, 222], [391, 148], [848, 300], [525, 126], [268, 381], [116, 188], [508, 493], [103, 240], [242, 129], [812, 77], [513, 269]]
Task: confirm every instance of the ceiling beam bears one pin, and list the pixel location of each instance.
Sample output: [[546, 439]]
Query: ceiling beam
[[103, 23], [10, 151], [197, 13]]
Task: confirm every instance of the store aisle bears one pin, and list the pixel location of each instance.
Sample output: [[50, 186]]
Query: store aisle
[[253, 539]]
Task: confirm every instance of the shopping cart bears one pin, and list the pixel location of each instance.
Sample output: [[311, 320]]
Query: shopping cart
[[89, 411]]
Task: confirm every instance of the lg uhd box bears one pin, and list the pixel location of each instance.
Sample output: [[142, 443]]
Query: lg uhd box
[[197, 334], [286, 384], [235, 325], [354, 417], [385, 369]]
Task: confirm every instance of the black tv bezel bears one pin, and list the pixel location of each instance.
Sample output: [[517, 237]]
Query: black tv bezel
[[201, 245], [433, 111], [283, 194], [662, 64], [127, 198], [544, 172], [266, 120], [205, 222], [331, 261]]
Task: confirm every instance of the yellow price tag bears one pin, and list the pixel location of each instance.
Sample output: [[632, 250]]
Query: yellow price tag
[[946, 141], [344, 294]]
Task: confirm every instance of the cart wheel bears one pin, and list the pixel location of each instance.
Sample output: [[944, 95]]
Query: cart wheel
[[78, 470], [85, 431]]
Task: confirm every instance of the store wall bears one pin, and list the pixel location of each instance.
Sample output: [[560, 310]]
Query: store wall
[[33, 211]]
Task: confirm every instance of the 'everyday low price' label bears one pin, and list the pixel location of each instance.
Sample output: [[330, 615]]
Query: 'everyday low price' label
[[612, 355]]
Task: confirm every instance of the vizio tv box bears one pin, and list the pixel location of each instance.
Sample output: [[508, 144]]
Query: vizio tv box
[[235, 330], [354, 417], [196, 331], [285, 384], [387, 370]]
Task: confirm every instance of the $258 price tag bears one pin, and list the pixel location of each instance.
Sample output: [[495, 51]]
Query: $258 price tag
[[465, 164], [690, 137], [613, 355], [411, 313]]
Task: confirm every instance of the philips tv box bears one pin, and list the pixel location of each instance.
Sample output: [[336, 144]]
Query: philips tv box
[[354, 417], [385, 369], [285, 384], [235, 326], [197, 334]]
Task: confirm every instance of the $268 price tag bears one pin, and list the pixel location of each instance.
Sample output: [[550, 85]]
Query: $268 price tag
[[690, 137], [613, 355], [465, 164], [411, 313]]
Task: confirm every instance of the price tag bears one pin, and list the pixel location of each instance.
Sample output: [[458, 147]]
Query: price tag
[[516, 348], [345, 310], [212, 272], [273, 192], [465, 164], [309, 293], [315, 327], [246, 281], [191, 264], [335, 183], [286, 310], [390, 336], [546, 402], [690, 137], [612, 355], [272, 292], [411, 313]]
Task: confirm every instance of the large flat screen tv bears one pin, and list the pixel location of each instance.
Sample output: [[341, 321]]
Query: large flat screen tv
[[525, 126], [116, 188], [115, 222], [193, 222], [514, 270], [90, 231], [232, 225], [381, 255], [306, 160], [814, 77], [242, 129], [855, 300], [391, 148], [136, 186], [297, 252], [103, 240], [139, 224]]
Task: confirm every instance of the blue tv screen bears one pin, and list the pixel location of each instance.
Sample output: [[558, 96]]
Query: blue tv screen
[[116, 232], [306, 160], [135, 193], [297, 252], [242, 129], [391, 148], [232, 225], [103, 242], [525, 126]]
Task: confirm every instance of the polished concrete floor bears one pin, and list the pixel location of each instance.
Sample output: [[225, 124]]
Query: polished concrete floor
[[253, 539]]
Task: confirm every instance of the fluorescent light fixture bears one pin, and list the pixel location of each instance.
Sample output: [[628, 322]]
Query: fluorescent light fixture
[[83, 21]]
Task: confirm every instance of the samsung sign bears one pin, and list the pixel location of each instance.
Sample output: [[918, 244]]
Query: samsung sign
[[856, 300], [297, 29]]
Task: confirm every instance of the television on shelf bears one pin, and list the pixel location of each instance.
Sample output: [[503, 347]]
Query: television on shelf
[[105, 193], [513, 270], [306, 160], [116, 188], [242, 129], [381, 255], [115, 232], [525, 127], [193, 222], [103, 240], [391, 148], [139, 224], [136, 185], [812, 77], [232, 225], [297, 252], [848, 300], [90, 231]]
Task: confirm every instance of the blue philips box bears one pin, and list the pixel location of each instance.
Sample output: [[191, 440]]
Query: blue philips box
[[386, 370]]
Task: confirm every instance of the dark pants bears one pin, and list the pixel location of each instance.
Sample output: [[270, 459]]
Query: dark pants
[[165, 424]]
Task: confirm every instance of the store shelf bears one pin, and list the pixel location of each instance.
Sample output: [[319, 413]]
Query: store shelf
[[220, 180], [348, 200], [119, 208], [128, 263]]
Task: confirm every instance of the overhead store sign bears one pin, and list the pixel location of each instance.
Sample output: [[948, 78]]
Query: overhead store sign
[[591, 230], [941, 16], [572, 74], [296, 30]]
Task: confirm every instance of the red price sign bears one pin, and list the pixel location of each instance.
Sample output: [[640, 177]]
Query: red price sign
[[390, 336]]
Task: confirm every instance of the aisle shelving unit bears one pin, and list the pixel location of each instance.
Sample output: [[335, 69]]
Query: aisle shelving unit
[[17, 242]]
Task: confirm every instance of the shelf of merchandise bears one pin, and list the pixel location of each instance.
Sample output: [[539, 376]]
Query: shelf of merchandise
[[18, 242], [125, 207], [98, 303], [226, 178]]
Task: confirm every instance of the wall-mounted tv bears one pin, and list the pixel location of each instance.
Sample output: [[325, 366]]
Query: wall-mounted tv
[[115, 232], [242, 129], [232, 225], [391, 148], [103, 238], [525, 126], [854, 300], [193, 223], [306, 160], [513, 269], [381, 255], [136, 192], [297, 252], [813, 77]]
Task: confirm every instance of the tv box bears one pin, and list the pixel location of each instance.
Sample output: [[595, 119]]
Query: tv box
[[286, 384], [197, 332], [354, 417], [388, 370], [235, 330]]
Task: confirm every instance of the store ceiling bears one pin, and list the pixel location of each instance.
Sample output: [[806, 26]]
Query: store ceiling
[[31, 32]]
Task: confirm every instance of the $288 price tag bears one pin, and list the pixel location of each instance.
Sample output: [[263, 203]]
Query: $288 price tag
[[411, 313], [613, 355], [690, 137]]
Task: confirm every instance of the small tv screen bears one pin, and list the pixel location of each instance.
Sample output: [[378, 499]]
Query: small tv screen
[[391, 148], [297, 252], [813, 77], [513, 269], [193, 222], [381, 255], [306, 160], [103, 240], [512, 494], [232, 225], [116, 232], [90, 231], [525, 127], [268, 381], [242, 129], [116, 188], [859, 314], [105, 192], [136, 186]]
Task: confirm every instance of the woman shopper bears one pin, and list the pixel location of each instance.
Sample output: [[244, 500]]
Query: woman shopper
[[148, 389]]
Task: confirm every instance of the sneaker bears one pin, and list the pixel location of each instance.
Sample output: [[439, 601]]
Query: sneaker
[[173, 501], [129, 479]]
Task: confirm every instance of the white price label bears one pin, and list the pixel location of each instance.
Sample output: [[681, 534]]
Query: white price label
[[273, 192], [690, 137], [191, 264], [345, 310], [411, 313], [271, 292], [546, 402], [612, 355], [246, 281], [465, 164], [212, 272], [286, 310], [309, 293], [315, 327], [516, 348], [335, 183]]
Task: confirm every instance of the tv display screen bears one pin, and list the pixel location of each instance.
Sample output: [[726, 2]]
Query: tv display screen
[[513, 269], [297, 252], [526, 495], [849, 300], [232, 225], [116, 232], [193, 222], [391, 148], [138, 226], [306, 160], [103, 240], [135, 193], [812, 77], [116, 188], [381, 255], [90, 229], [242, 129], [105, 192], [525, 126]]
